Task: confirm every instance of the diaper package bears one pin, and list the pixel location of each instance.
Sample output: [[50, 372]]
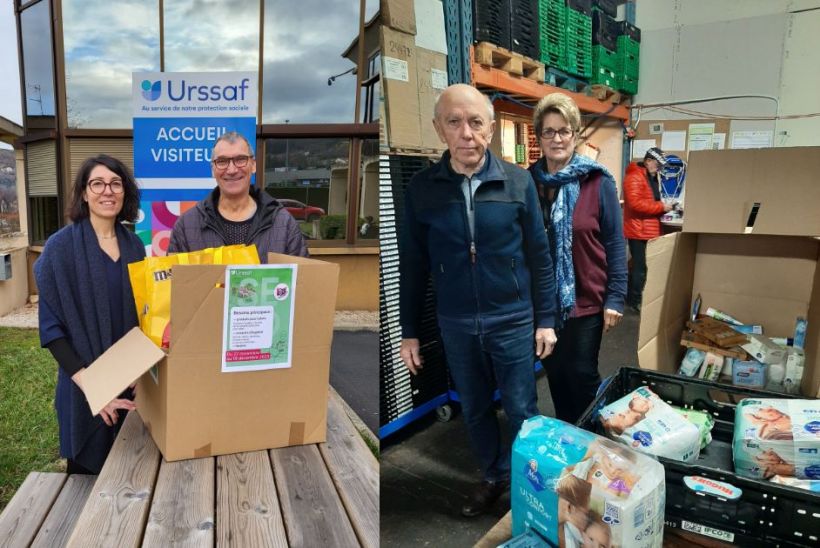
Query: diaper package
[[575, 488], [808, 485], [777, 437], [702, 420], [648, 424]]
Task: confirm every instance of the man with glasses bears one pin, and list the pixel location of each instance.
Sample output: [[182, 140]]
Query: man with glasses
[[236, 212], [473, 221]]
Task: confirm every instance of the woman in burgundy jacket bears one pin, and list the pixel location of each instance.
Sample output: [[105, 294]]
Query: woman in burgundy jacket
[[643, 209]]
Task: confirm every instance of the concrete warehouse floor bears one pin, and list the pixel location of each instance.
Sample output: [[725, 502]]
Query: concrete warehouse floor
[[427, 467]]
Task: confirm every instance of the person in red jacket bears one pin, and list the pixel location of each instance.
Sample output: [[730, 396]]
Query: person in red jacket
[[643, 209]]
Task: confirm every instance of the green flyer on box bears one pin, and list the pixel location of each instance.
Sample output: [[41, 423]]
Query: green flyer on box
[[258, 320]]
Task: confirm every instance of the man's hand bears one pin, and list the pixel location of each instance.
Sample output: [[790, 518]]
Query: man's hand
[[611, 319], [109, 412], [411, 356], [545, 340], [668, 206]]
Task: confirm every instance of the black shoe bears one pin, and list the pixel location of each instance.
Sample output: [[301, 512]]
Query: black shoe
[[483, 496]]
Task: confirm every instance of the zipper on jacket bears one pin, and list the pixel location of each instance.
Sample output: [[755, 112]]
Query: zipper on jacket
[[515, 279], [473, 252]]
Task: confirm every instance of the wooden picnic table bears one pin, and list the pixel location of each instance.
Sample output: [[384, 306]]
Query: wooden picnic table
[[324, 494]]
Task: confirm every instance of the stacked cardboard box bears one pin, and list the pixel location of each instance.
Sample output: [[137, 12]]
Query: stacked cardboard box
[[767, 274], [414, 72]]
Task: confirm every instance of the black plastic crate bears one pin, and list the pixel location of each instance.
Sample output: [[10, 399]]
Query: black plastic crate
[[609, 7], [491, 22], [625, 28], [582, 6], [604, 30], [766, 514]]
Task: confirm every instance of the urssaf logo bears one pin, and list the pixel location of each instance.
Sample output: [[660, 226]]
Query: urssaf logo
[[151, 90]]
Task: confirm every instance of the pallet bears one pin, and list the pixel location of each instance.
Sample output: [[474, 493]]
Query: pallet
[[508, 61], [718, 332], [692, 340], [605, 93], [561, 79]]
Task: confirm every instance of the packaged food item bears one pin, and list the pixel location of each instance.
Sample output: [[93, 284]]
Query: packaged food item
[[703, 420], [648, 424], [748, 373], [691, 362], [575, 488], [777, 437]]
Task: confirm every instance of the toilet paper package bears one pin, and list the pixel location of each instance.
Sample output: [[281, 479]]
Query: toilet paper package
[[777, 437], [648, 424], [575, 488]]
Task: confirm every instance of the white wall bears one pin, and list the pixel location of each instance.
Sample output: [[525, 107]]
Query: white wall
[[692, 49]]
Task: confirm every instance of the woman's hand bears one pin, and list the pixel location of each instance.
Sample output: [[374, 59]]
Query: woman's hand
[[611, 318], [109, 412]]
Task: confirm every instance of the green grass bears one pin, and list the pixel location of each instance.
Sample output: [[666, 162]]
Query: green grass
[[28, 424]]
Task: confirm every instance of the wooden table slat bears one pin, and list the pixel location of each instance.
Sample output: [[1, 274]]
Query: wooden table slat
[[117, 509], [30, 505], [180, 517], [355, 471], [66, 511], [248, 512], [313, 513]]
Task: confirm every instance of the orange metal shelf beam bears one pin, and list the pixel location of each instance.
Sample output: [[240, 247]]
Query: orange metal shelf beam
[[529, 90]]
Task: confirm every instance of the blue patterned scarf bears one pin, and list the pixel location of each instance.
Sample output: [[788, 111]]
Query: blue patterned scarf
[[567, 183]]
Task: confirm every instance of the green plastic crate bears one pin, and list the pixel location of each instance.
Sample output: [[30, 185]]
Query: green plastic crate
[[602, 57], [628, 84]]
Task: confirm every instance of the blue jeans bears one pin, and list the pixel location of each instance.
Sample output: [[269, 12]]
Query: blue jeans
[[572, 368], [478, 364]]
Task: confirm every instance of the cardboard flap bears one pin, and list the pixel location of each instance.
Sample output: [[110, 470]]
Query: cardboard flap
[[722, 187], [191, 286], [118, 367]]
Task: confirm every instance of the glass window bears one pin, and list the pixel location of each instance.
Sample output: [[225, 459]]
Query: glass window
[[9, 208], [305, 77], [212, 35], [310, 177], [369, 194], [45, 218], [38, 66], [99, 58]]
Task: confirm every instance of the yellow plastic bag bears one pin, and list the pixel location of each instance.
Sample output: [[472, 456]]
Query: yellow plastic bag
[[151, 283]]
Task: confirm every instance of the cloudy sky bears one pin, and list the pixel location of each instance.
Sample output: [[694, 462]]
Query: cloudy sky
[[106, 41], [10, 107]]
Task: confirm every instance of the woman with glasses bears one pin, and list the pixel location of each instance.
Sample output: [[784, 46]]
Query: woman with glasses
[[583, 221], [86, 303]]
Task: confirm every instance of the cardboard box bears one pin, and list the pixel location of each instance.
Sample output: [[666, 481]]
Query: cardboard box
[[766, 280], [764, 350], [194, 410], [412, 79], [398, 14]]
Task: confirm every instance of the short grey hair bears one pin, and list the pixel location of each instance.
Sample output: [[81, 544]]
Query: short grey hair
[[232, 137], [490, 107], [560, 104]]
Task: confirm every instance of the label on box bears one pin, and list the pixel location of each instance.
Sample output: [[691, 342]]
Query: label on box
[[707, 531], [396, 69], [438, 79], [258, 320]]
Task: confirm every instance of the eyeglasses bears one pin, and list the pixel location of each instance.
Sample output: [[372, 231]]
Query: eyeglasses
[[97, 186], [563, 133], [238, 161]]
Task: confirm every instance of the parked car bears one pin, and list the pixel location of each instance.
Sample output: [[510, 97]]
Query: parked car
[[302, 212]]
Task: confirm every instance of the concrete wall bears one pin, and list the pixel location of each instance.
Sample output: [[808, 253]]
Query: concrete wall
[[14, 292], [358, 276], [701, 48]]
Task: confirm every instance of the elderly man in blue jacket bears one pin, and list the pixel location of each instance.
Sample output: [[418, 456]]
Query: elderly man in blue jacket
[[473, 221]]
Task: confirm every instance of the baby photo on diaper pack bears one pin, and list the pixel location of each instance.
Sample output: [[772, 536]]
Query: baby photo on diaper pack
[[648, 424], [777, 437], [579, 490]]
